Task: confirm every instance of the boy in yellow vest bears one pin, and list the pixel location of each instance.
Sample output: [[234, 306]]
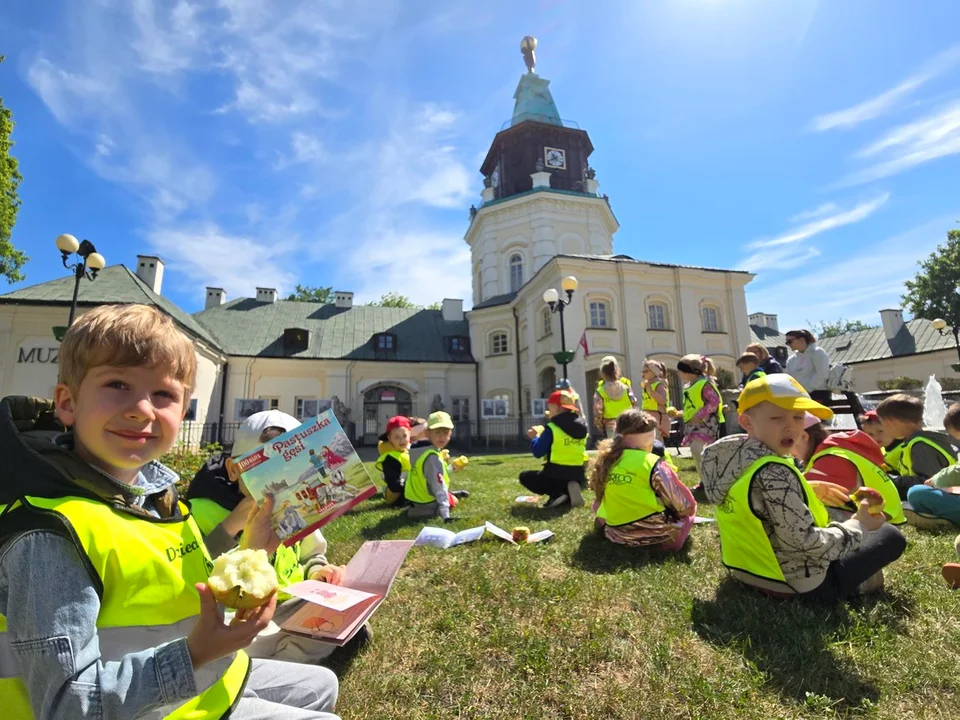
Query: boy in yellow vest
[[925, 452], [562, 444], [104, 607], [219, 503], [427, 488], [775, 534], [935, 503]]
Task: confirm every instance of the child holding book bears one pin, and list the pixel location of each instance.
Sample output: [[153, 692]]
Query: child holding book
[[562, 443], [642, 502], [99, 620], [925, 452], [775, 534], [427, 488], [217, 502]]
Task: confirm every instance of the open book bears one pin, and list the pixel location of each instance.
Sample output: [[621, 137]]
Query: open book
[[443, 538], [334, 613], [313, 473]]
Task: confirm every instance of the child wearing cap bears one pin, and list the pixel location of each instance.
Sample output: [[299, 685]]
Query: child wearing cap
[[641, 501], [394, 460], [775, 534], [891, 449], [219, 505], [562, 444], [614, 395], [427, 488], [925, 452]]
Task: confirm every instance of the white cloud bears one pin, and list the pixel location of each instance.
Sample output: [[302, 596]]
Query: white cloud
[[781, 258], [820, 211], [70, 97], [166, 41], [855, 286], [889, 99], [935, 136], [839, 218]]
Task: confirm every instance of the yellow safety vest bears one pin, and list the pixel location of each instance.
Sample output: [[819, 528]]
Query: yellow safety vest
[[650, 402], [401, 457], [892, 458], [628, 496], [873, 477], [566, 449], [693, 400], [744, 544], [416, 489], [906, 461], [147, 570], [612, 408]]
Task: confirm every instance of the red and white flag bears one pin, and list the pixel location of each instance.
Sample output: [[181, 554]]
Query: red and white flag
[[583, 344]]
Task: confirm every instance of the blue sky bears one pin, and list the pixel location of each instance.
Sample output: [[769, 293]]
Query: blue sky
[[271, 142]]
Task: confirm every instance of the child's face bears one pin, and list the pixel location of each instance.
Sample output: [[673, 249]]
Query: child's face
[[954, 433], [553, 410], [439, 437], [688, 377], [802, 447], [646, 373], [747, 368], [123, 418], [778, 429], [399, 437], [875, 430], [897, 429]]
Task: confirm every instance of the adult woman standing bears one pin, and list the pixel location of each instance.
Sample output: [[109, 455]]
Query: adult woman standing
[[809, 364], [768, 363]]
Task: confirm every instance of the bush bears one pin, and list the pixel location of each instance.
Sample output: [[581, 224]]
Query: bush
[[725, 379], [949, 383], [900, 383], [185, 462]]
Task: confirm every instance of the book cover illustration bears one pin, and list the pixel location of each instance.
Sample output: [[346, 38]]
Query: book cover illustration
[[313, 473]]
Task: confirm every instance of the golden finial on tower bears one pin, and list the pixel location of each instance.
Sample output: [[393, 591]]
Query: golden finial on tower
[[528, 46]]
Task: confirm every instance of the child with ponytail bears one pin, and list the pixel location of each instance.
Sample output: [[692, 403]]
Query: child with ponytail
[[702, 404], [640, 500]]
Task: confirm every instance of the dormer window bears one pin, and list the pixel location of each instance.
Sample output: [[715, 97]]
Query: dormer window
[[458, 345], [385, 343]]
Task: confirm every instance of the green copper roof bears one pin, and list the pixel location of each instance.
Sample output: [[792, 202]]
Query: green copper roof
[[534, 101]]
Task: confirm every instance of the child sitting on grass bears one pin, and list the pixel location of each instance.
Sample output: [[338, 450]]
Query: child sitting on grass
[[562, 444], [103, 572], [642, 502], [218, 502], [394, 448], [891, 449], [775, 534], [925, 452], [427, 488], [932, 500]]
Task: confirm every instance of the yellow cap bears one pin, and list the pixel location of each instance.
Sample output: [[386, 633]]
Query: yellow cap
[[439, 419], [784, 392]]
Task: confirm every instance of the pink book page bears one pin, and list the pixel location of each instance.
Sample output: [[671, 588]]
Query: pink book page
[[376, 564], [333, 597]]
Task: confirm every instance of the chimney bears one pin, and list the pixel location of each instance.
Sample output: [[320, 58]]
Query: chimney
[[150, 270], [215, 298], [892, 322], [772, 322], [452, 310], [343, 299], [267, 295], [764, 320]]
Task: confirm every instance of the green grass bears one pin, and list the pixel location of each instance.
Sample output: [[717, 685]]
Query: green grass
[[579, 628]]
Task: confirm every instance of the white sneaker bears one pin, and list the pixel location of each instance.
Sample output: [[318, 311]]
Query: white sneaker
[[575, 493], [556, 502]]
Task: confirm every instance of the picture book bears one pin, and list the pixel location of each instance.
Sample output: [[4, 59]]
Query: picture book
[[334, 613], [443, 538], [313, 473]]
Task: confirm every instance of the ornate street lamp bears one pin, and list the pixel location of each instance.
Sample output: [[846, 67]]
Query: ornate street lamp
[[557, 304], [940, 325], [91, 262]]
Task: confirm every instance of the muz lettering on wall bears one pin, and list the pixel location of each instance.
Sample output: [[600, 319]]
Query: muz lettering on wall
[[39, 355]]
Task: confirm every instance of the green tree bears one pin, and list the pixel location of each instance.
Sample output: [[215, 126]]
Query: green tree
[[305, 293], [395, 300], [11, 259], [933, 292], [825, 329]]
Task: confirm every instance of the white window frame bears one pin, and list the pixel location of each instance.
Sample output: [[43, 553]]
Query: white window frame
[[515, 268], [714, 325], [273, 403], [602, 308], [546, 321], [654, 323], [495, 346], [460, 408]]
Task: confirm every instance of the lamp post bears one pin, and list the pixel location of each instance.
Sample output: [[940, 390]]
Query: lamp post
[[940, 325], [557, 304], [91, 262]]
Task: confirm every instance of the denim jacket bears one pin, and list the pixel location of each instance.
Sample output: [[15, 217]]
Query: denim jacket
[[51, 607]]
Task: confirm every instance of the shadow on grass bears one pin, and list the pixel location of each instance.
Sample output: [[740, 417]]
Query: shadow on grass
[[790, 642], [596, 554], [535, 512], [389, 524], [488, 462]]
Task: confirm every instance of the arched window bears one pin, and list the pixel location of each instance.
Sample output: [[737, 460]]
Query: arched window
[[516, 272], [599, 314], [657, 316], [548, 381], [498, 344], [547, 320]]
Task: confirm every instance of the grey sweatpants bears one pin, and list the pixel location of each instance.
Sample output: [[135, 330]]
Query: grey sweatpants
[[287, 691]]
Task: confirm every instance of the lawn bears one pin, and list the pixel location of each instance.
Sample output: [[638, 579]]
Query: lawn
[[578, 628]]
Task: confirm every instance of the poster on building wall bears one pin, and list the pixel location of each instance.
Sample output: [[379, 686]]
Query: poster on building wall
[[496, 408], [312, 408], [538, 407], [245, 407]]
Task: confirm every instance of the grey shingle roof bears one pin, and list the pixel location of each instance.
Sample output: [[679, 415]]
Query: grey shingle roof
[[495, 300], [114, 284], [629, 259], [916, 336], [768, 337], [248, 327]]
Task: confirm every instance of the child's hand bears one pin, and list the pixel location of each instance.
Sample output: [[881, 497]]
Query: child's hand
[[333, 574], [868, 520], [258, 531], [211, 639], [830, 493], [532, 433]]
